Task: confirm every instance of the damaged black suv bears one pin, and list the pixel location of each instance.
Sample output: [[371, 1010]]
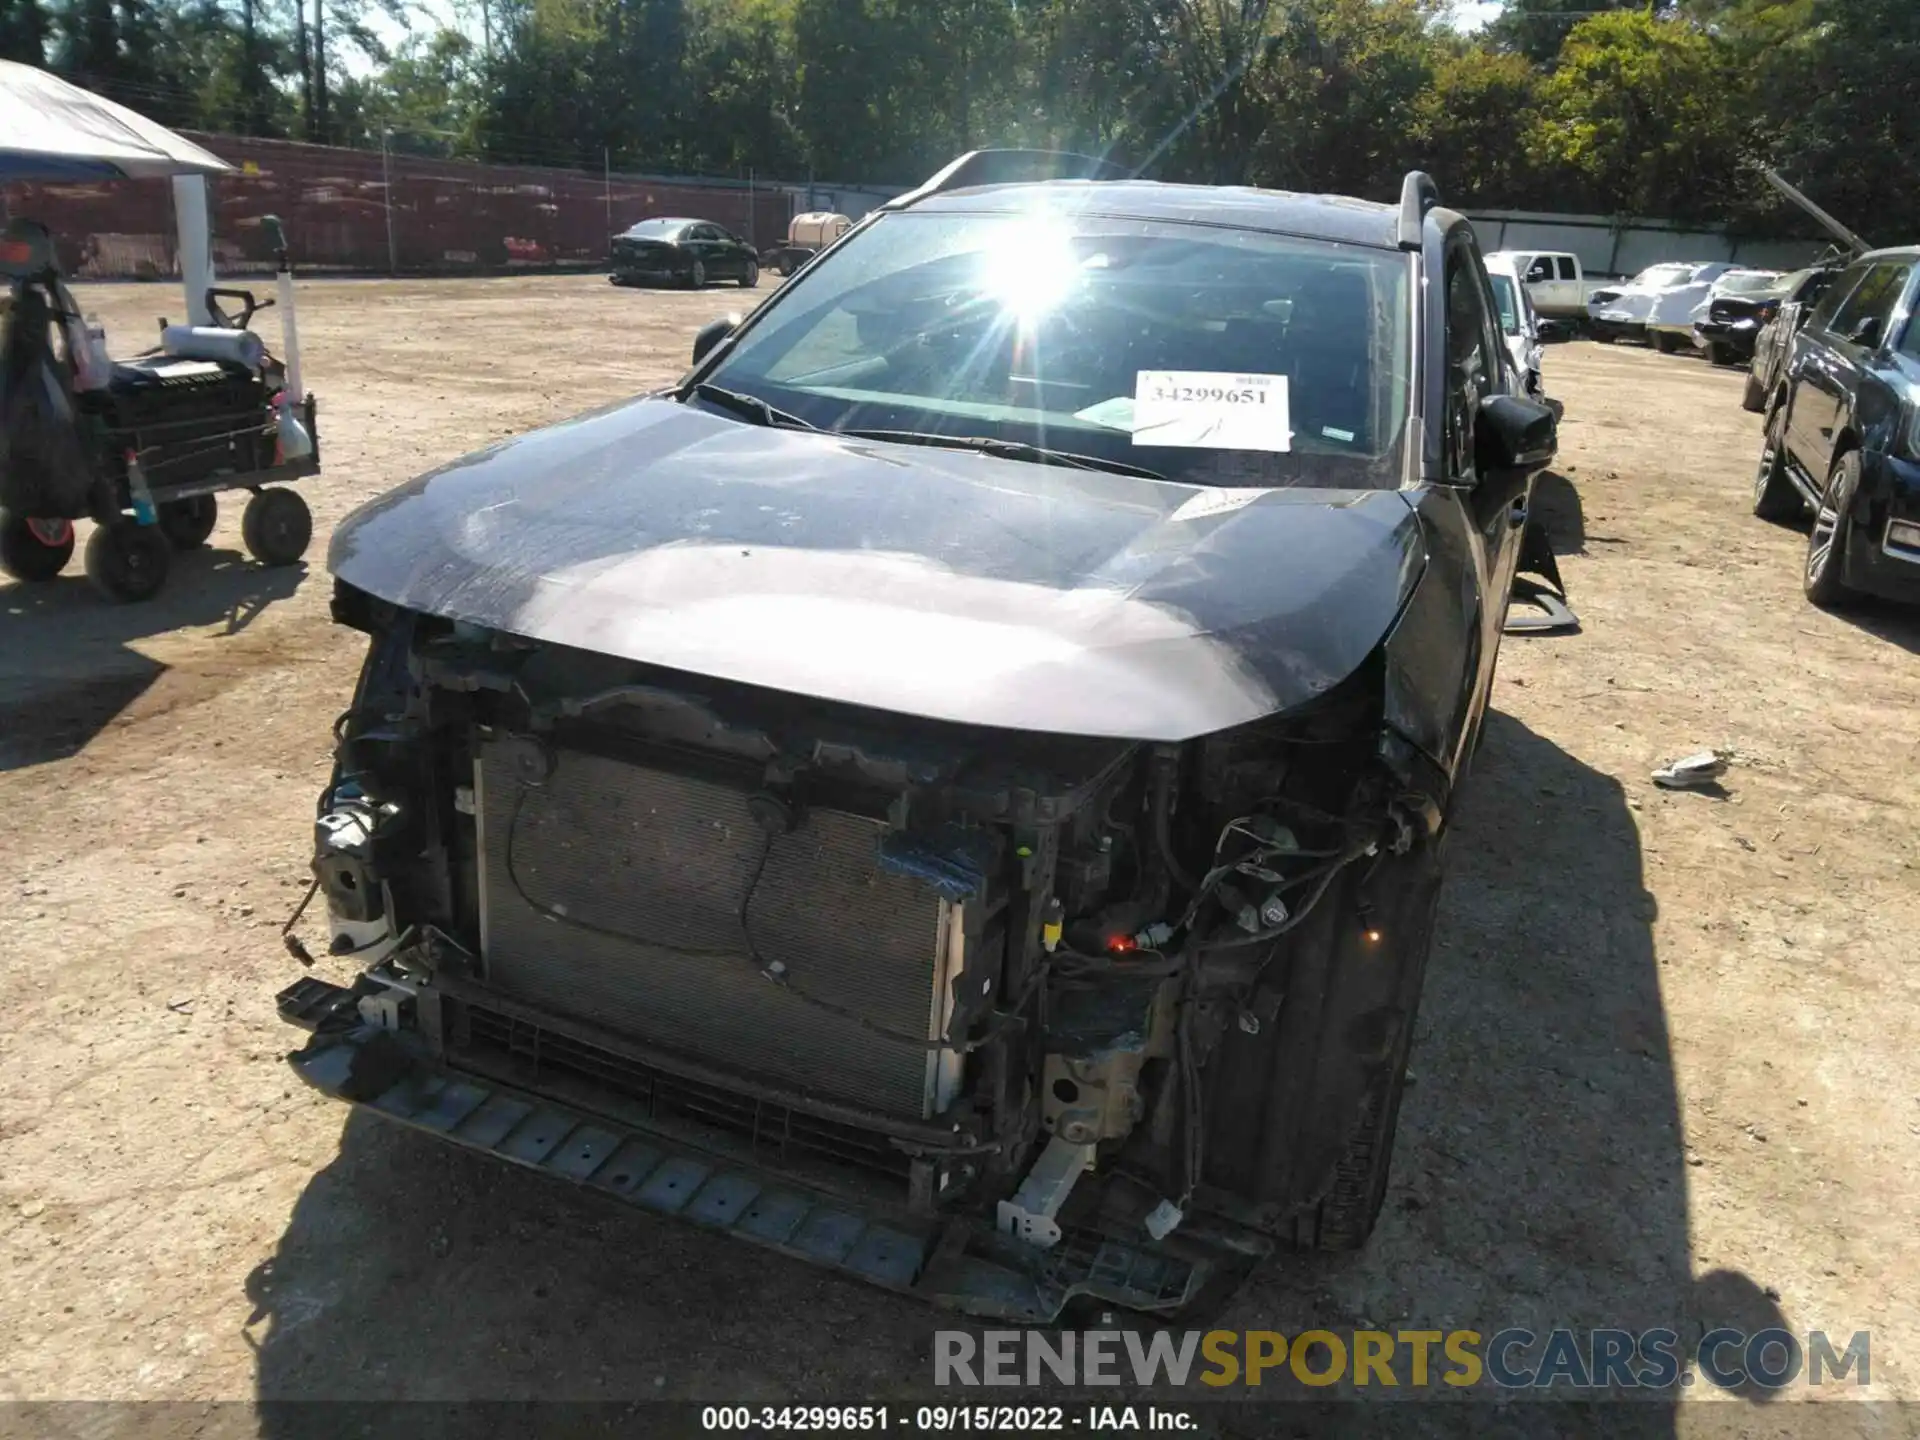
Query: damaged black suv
[[955, 789]]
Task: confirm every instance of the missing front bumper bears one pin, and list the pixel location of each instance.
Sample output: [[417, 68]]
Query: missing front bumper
[[959, 1263]]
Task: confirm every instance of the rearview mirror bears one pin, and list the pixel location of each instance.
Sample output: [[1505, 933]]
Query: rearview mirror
[[1514, 434], [711, 334]]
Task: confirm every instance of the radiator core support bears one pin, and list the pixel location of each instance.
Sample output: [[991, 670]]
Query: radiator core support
[[615, 892]]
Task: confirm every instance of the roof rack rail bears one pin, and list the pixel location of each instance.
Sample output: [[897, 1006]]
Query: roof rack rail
[[1011, 167], [1418, 194]]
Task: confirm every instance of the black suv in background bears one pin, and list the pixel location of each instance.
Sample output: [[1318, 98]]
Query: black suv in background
[[1786, 311], [1843, 434]]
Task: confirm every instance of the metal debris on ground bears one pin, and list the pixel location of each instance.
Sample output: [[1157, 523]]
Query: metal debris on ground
[[1693, 771]]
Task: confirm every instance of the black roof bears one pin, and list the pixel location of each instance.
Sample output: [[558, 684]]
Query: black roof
[[1243, 207]]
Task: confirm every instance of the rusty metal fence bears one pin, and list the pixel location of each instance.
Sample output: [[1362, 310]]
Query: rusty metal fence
[[365, 212]]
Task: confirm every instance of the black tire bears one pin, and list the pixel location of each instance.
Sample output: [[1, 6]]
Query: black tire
[[1663, 342], [128, 561], [1346, 1215], [1774, 495], [1754, 398], [188, 523], [750, 277], [26, 556], [1720, 353], [1605, 337], [1827, 539], [783, 267], [277, 526], [697, 276]]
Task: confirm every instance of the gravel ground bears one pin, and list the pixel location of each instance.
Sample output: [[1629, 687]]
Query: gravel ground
[[1665, 1072]]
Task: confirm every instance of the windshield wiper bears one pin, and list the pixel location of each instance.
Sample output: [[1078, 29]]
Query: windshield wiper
[[751, 407], [1006, 450]]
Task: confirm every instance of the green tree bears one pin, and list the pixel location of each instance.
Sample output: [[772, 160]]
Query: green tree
[[1835, 111], [1471, 122], [1538, 28], [1640, 113], [23, 31], [743, 88]]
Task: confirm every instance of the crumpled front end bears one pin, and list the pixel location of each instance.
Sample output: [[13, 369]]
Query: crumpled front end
[[991, 1016]]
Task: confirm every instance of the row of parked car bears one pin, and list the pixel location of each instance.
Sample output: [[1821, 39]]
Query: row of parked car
[[1833, 357]]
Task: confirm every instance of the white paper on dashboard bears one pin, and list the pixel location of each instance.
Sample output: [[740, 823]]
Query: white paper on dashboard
[[1211, 410]]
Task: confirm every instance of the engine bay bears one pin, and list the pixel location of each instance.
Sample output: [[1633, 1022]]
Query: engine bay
[[945, 970]]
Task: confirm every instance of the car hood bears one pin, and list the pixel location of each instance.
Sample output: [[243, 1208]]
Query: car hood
[[938, 583], [1677, 306]]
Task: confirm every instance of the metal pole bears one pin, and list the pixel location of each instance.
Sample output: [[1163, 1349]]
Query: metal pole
[[386, 190], [751, 239], [606, 171]]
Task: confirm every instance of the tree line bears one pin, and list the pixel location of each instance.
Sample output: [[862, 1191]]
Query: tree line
[[1630, 107]]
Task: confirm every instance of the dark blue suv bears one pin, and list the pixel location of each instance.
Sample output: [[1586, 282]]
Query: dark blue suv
[[1843, 434]]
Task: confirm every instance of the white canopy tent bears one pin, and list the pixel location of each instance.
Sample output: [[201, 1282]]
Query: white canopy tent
[[53, 131], [50, 130]]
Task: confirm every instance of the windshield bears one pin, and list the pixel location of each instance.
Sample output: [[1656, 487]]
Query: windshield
[[1503, 297], [1751, 282], [657, 229], [1207, 355]]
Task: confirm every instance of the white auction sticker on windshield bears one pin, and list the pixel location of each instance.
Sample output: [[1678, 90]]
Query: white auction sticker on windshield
[[1211, 410]]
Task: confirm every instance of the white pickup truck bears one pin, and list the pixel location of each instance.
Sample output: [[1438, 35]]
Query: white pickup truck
[[1555, 283]]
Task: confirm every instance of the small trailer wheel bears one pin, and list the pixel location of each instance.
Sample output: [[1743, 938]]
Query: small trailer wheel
[[276, 526], [34, 550], [127, 560], [188, 523]]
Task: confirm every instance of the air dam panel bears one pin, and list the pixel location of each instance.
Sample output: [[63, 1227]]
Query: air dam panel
[[613, 893]]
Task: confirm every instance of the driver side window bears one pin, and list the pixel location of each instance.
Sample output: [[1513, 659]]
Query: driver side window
[[1541, 269], [1873, 299], [1473, 366]]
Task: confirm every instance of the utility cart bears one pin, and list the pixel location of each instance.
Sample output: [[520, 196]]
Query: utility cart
[[142, 446]]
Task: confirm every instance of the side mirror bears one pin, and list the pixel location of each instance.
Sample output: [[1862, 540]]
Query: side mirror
[[1867, 332], [711, 334], [1514, 434]]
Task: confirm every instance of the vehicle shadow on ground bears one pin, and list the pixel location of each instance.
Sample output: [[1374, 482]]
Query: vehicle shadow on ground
[[1541, 1176], [1540, 1182], [66, 663], [1885, 620], [1555, 507]]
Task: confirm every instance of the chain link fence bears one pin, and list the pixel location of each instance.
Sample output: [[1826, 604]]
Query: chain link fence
[[372, 213]]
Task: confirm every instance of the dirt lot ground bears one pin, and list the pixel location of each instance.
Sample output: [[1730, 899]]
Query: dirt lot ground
[[1667, 1070]]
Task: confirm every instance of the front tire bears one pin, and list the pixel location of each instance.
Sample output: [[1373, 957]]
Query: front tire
[[697, 276], [34, 551], [1345, 1217], [1774, 496], [128, 561], [750, 277], [276, 526], [1754, 398], [1663, 342], [1719, 353], [1827, 540]]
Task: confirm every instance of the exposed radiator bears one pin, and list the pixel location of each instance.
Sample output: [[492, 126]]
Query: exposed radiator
[[612, 893]]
